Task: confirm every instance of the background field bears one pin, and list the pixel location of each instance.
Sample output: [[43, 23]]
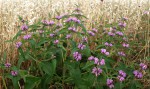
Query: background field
[[96, 10]]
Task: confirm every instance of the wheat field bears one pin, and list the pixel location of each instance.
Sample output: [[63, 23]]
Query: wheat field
[[110, 10]]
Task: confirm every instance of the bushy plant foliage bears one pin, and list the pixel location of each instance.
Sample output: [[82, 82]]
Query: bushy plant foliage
[[62, 53]]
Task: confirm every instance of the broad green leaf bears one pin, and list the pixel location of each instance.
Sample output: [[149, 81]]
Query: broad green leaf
[[31, 82], [88, 64]]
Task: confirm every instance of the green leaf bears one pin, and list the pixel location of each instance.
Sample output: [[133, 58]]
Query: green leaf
[[88, 64], [31, 82], [118, 85], [33, 43], [46, 79], [20, 18], [15, 82], [48, 67]]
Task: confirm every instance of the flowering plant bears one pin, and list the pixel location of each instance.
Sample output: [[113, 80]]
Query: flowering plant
[[63, 53]]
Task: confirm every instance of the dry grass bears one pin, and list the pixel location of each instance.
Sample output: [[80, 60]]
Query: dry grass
[[110, 10]]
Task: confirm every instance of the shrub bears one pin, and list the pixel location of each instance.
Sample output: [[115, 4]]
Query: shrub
[[62, 53]]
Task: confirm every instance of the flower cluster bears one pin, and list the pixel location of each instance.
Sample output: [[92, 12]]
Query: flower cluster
[[18, 44], [122, 24], [26, 37], [72, 29], [74, 19], [14, 73], [143, 66], [46, 22], [81, 46], [56, 41], [7, 65], [95, 30], [110, 83], [108, 44], [96, 60], [103, 51], [91, 33], [77, 56], [111, 33], [85, 39], [52, 35], [41, 31], [125, 45], [24, 27], [59, 17], [97, 71], [68, 36], [121, 54], [121, 75], [119, 33], [137, 74]]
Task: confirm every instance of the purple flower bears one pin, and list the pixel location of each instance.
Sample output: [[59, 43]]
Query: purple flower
[[102, 62], [81, 46], [85, 39], [96, 71], [143, 66], [146, 12], [77, 9], [77, 56], [137, 74], [44, 22], [18, 44], [121, 78], [7, 65], [74, 19], [72, 29], [96, 61], [91, 58], [26, 37], [125, 18], [122, 73], [68, 36], [121, 53], [110, 45], [58, 17], [56, 41], [91, 33], [107, 53], [95, 30], [52, 35], [125, 39], [111, 34], [110, 83], [41, 31], [14, 73], [125, 45], [50, 23], [119, 33], [24, 27], [59, 25], [99, 62], [103, 50], [121, 24], [106, 44]]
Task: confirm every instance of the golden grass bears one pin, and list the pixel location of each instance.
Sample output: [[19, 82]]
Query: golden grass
[[110, 10]]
